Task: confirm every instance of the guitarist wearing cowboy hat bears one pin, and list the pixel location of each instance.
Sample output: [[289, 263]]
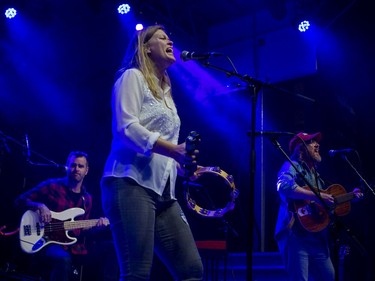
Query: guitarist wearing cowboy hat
[[303, 245]]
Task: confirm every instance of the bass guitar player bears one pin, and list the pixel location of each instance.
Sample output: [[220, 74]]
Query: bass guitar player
[[49, 204]]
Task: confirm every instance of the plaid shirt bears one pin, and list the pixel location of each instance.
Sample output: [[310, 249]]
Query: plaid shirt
[[58, 197]]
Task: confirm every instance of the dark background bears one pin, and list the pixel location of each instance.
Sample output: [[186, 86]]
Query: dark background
[[58, 60]]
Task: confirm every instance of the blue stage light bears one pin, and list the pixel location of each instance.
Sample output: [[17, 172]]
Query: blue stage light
[[139, 27], [304, 26], [10, 13], [123, 9]]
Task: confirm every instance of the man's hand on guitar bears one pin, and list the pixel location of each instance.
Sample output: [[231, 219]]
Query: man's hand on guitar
[[44, 213], [102, 222], [358, 194], [327, 198]]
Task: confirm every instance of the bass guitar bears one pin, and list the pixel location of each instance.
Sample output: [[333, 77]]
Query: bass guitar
[[34, 234], [314, 217]]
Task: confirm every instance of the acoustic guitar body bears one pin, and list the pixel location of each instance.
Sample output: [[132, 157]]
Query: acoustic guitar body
[[314, 217]]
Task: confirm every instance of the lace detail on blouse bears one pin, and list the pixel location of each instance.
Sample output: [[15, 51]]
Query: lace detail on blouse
[[156, 114]]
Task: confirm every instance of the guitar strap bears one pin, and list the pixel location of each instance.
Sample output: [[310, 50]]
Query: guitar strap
[[83, 202], [302, 176]]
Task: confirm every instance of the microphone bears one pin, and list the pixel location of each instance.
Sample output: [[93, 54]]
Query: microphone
[[333, 152], [185, 55], [60, 167], [28, 151]]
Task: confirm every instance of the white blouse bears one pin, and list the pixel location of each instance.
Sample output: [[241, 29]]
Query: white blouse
[[138, 120]]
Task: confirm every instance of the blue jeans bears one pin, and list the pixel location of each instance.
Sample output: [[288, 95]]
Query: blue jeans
[[141, 222], [307, 256], [54, 263]]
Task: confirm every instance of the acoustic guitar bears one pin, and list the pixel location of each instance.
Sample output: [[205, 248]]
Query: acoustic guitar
[[314, 217]]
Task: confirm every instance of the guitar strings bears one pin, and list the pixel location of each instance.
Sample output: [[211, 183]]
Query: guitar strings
[[63, 225]]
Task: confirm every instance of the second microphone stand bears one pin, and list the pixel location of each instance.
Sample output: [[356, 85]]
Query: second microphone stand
[[254, 86]]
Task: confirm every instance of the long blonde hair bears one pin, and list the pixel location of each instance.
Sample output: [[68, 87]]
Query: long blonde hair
[[137, 57]]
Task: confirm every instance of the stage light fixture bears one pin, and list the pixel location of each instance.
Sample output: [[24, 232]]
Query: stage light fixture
[[123, 9], [303, 26], [10, 13], [139, 26]]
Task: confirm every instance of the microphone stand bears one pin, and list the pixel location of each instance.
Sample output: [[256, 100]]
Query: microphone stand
[[340, 226], [359, 175], [254, 86], [50, 163]]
